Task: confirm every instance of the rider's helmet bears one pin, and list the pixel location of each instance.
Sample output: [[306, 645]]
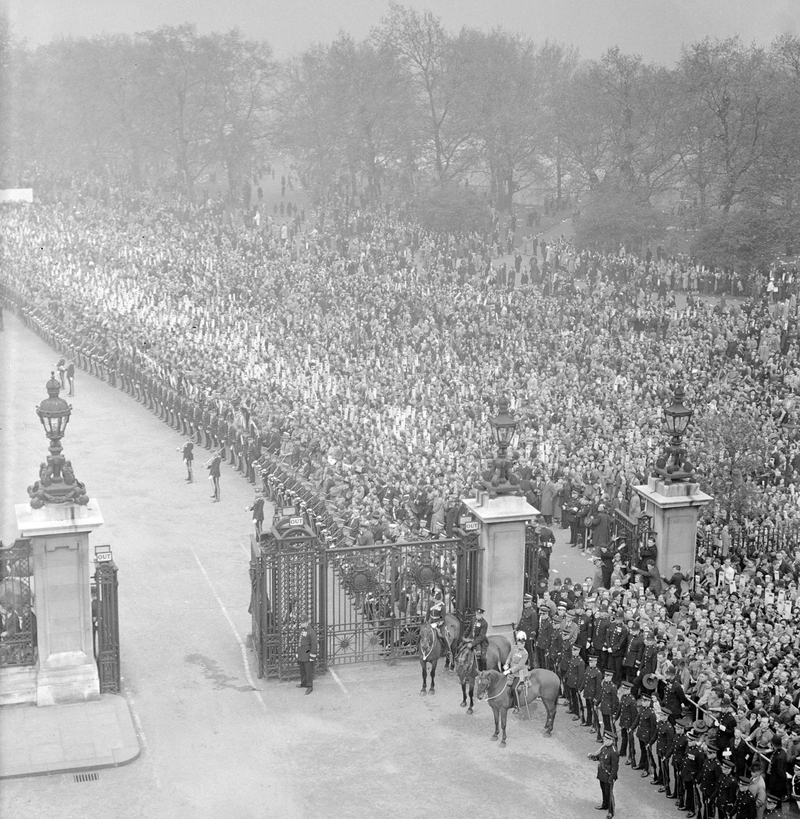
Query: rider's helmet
[[521, 635]]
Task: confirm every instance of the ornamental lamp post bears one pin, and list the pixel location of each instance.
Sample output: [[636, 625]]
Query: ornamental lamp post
[[673, 466], [57, 483], [499, 479]]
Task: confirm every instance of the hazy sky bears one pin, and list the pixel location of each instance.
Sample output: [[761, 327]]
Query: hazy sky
[[653, 28]]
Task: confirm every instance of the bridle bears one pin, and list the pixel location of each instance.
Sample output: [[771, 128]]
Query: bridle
[[494, 696]]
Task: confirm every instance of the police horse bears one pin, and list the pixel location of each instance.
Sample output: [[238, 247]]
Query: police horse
[[467, 664], [431, 649], [494, 687]]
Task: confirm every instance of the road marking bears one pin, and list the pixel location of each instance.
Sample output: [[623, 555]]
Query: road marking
[[233, 629], [339, 682]]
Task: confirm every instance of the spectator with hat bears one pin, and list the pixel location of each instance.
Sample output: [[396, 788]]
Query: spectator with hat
[[607, 771], [758, 788]]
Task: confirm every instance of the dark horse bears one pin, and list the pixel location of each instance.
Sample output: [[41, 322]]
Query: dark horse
[[467, 665], [430, 648], [493, 686]]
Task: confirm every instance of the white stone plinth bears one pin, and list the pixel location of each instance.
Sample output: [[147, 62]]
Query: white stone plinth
[[674, 509], [59, 534], [502, 557]]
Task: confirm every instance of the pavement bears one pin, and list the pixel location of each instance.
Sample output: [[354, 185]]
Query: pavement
[[66, 738]]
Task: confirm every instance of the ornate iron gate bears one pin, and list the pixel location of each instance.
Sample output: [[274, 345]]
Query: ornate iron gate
[[18, 647], [105, 619], [367, 602], [287, 575], [378, 595]]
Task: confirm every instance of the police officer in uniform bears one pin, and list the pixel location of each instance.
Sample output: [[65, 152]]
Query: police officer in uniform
[[529, 623], [679, 747], [543, 636], [591, 686], [573, 681], [584, 622], [745, 807], [691, 767], [477, 640], [728, 790], [607, 771], [645, 733], [628, 720], [665, 745], [708, 783], [616, 644], [609, 703]]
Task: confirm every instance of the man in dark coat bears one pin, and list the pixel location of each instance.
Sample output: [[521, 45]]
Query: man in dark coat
[[607, 771], [633, 652], [306, 654], [609, 703], [573, 682], [529, 623], [616, 645], [476, 638], [645, 733], [591, 686], [628, 720]]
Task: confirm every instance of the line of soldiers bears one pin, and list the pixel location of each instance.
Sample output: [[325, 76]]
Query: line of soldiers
[[608, 679]]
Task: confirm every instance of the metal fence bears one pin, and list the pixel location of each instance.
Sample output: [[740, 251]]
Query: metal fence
[[18, 646], [367, 602], [105, 621]]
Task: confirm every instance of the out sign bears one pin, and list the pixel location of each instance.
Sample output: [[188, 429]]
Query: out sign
[[295, 521], [472, 526]]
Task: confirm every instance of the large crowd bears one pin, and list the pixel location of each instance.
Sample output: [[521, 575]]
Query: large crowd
[[362, 356]]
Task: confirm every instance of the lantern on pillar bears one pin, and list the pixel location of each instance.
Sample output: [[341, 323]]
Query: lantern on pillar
[[499, 479], [57, 483], [673, 466]]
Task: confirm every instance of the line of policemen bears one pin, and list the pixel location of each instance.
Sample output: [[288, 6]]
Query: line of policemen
[[608, 678]]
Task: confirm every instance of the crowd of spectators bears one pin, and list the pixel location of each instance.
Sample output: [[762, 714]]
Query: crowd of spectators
[[365, 355]]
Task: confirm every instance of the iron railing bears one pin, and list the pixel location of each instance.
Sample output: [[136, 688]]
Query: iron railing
[[105, 621], [18, 646]]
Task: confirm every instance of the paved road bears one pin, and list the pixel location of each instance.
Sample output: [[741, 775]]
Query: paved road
[[218, 742]]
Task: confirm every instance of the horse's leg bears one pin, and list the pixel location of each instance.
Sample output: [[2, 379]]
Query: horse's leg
[[471, 692], [551, 715], [424, 678], [504, 719], [433, 677], [495, 711], [464, 693]]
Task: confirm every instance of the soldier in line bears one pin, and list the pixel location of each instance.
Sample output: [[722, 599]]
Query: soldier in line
[[591, 686], [679, 747], [628, 720], [609, 703], [573, 682], [645, 733], [607, 771], [665, 743]]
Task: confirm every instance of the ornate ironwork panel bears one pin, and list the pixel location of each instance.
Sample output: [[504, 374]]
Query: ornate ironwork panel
[[285, 578], [105, 619], [378, 595], [18, 647]]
